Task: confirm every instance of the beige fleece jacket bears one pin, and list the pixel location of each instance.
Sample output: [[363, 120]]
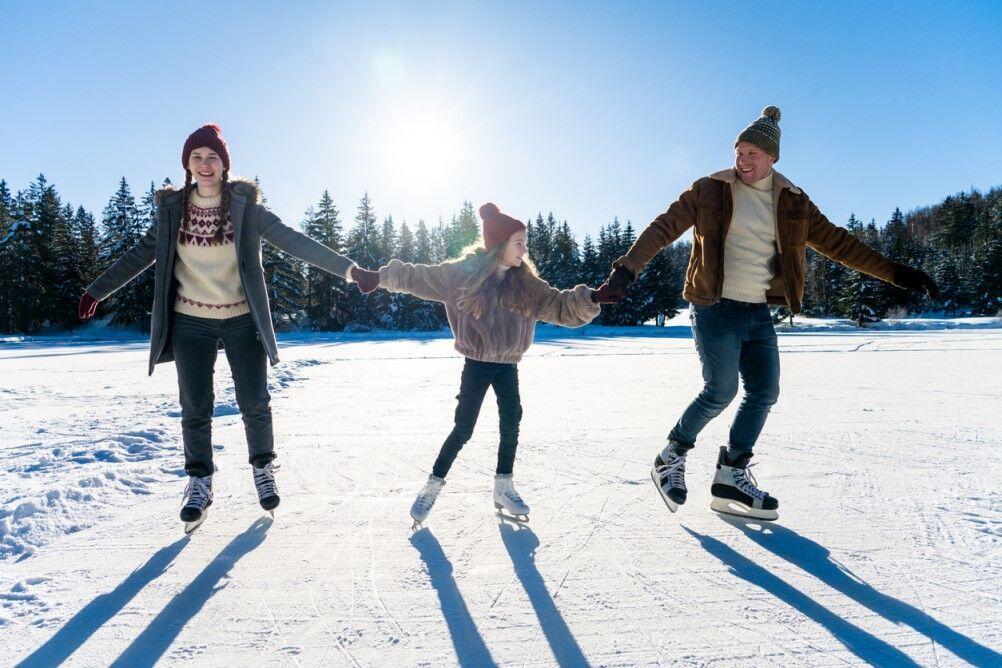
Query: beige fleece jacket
[[501, 335]]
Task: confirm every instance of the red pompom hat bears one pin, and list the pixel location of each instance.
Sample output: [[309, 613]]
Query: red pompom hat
[[209, 136], [497, 226]]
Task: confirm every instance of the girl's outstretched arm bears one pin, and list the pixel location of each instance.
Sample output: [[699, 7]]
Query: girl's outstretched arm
[[570, 308], [427, 281]]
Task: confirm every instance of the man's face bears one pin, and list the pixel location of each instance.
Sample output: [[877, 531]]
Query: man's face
[[751, 163]]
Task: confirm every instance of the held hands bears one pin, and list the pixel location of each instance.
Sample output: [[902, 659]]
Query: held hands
[[620, 279], [88, 305], [911, 278], [605, 294], [366, 280]]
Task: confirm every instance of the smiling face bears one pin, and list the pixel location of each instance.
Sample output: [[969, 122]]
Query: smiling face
[[514, 250], [206, 168], [751, 163]]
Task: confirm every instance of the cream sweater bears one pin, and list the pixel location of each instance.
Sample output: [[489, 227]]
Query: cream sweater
[[206, 268], [750, 245]]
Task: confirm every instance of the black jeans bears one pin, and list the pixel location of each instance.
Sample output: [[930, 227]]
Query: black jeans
[[477, 377], [195, 342]]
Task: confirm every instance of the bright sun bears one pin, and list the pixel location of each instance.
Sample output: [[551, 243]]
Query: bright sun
[[423, 145]]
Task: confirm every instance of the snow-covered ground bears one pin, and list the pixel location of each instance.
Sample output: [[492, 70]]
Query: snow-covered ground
[[885, 450]]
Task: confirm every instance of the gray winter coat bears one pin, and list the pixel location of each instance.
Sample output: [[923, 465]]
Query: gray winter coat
[[252, 222]]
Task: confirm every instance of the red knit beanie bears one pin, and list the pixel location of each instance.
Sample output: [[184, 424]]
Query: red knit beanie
[[209, 136], [497, 226]]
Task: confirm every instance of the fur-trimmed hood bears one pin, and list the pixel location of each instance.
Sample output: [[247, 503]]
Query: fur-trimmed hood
[[239, 187]]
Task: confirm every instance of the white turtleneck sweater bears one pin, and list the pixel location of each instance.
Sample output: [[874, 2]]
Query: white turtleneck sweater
[[206, 267], [750, 246]]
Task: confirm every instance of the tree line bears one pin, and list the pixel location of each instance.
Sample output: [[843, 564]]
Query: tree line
[[50, 251]]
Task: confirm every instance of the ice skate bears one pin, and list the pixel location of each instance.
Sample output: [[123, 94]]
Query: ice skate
[[507, 501], [669, 477], [735, 491], [197, 499], [425, 500], [267, 492]]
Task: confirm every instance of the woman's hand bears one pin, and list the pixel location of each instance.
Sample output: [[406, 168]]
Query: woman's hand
[[88, 305], [366, 280]]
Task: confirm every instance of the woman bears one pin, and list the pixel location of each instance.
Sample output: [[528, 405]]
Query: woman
[[209, 293]]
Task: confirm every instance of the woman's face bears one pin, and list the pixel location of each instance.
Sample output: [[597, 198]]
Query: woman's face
[[514, 250], [206, 168]]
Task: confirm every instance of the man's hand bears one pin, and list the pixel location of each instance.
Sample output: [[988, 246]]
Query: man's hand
[[911, 278]]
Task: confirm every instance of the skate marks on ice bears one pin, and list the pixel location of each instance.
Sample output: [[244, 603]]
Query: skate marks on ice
[[466, 639], [521, 543], [816, 560], [158, 636], [95, 614], [863, 644]]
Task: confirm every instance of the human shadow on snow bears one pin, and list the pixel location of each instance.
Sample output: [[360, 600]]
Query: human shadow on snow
[[466, 639], [863, 644], [817, 560], [521, 544], [95, 614], [151, 644]]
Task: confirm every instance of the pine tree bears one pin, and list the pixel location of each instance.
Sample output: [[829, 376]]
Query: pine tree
[[564, 261], [464, 230], [326, 295], [123, 228], [285, 280], [8, 266], [87, 238], [859, 298], [363, 247]]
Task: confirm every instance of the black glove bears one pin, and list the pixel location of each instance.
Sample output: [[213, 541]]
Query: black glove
[[606, 295], [911, 278], [620, 279]]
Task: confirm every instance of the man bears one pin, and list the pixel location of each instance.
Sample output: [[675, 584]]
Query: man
[[751, 227]]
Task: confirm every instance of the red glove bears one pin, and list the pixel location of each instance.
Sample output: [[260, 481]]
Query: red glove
[[366, 280], [606, 294], [88, 305]]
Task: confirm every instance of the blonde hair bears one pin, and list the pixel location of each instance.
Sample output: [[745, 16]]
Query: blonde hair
[[511, 290]]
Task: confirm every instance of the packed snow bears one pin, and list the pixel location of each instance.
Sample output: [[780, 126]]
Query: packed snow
[[884, 451]]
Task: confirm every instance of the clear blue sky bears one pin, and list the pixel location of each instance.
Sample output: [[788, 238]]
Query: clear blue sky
[[588, 110]]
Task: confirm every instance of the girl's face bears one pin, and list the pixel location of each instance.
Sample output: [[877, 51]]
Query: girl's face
[[514, 250], [206, 167]]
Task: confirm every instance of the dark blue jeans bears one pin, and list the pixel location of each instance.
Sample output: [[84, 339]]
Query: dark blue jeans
[[195, 342], [733, 339], [477, 377]]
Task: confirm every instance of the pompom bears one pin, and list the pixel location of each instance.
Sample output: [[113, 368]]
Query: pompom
[[489, 210], [772, 112]]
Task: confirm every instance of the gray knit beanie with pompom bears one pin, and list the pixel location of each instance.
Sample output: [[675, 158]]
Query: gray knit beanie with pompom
[[764, 132]]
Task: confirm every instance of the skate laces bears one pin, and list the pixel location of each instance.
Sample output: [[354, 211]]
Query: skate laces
[[197, 493], [508, 490], [674, 470], [264, 480], [427, 496], [745, 481]]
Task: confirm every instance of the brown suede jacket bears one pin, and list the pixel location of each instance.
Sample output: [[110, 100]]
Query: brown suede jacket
[[501, 335], [707, 207]]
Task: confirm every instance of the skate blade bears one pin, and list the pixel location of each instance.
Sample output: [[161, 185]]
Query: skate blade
[[737, 509], [503, 514], [672, 506], [191, 526], [416, 526]]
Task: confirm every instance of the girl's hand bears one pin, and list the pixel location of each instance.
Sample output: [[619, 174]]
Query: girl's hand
[[606, 295], [88, 305], [366, 280]]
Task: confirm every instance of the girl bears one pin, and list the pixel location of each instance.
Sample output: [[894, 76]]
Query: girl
[[209, 293], [493, 298]]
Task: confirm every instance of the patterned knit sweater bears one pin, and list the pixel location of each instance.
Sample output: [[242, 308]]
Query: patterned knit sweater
[[206, 267]]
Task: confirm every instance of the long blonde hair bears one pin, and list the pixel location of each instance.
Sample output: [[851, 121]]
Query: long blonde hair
[[511, 290]]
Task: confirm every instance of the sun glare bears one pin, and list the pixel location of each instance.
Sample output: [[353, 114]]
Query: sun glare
[[423, 146]]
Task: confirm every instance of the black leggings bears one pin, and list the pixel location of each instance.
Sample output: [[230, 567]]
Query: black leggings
[[477, 377]]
